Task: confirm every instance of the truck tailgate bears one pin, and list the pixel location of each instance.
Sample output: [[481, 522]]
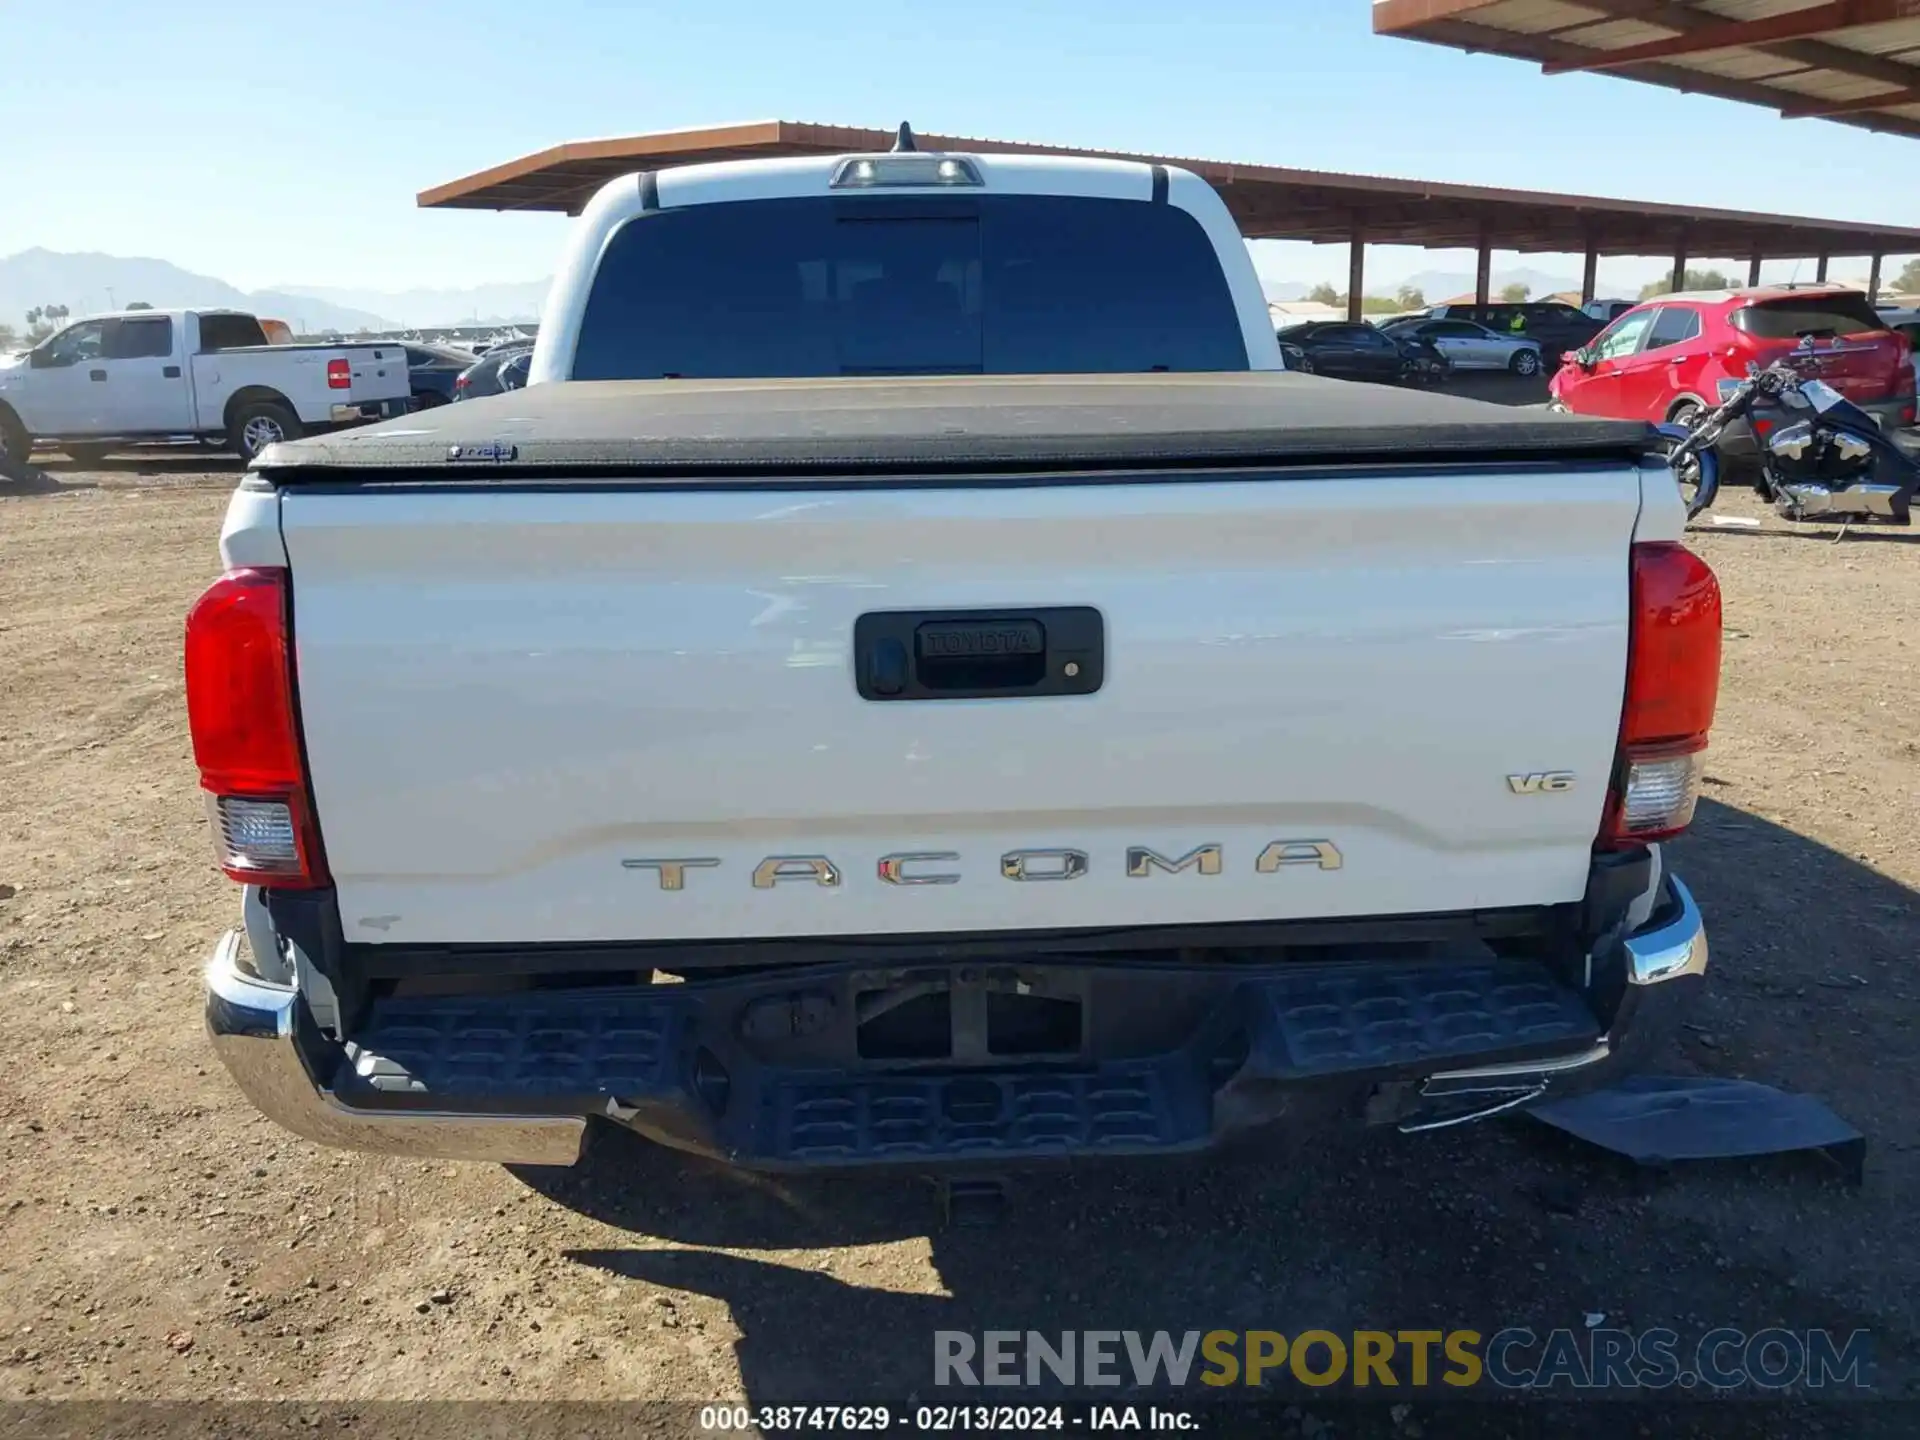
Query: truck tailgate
[[511, 695]]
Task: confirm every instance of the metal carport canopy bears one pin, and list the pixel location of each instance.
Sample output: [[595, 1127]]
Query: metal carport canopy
[[1270, 202], [1853, 61]]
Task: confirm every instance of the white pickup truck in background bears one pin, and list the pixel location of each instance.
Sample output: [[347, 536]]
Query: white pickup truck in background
[[147, 376], [909, 613]]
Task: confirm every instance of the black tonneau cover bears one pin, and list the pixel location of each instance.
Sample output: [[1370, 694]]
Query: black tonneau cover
[[675, 430]]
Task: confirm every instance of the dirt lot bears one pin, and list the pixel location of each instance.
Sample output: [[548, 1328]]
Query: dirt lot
[[158, 1239]]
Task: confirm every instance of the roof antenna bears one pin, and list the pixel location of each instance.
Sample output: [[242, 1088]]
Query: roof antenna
[[903, 140]]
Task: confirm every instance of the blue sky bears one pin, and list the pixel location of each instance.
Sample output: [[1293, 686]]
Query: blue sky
[[283, 143]]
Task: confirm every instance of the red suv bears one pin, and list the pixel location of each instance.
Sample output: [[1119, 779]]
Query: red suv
[[1678, 354]]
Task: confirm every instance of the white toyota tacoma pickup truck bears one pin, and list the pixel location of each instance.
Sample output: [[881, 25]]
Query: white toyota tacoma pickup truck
[[159, 376], [911, 683]]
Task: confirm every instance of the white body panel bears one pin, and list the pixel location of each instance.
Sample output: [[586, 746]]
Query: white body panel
[[619, 201], [185, 392], [141, 397], [507, 695], [49, 402], [300, 374]]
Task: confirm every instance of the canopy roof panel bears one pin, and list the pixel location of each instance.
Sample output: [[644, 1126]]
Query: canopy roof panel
[[1270, 202], [1853, 61]]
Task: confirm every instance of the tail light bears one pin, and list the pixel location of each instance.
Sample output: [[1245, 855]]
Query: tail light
[[339, 374], [246, 735], [1673, 680]]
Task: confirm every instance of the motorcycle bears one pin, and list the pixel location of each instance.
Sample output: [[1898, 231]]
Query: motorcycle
[[1821, 456]]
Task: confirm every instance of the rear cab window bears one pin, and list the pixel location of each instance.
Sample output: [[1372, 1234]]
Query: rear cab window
[[906, 285], [229, 332]]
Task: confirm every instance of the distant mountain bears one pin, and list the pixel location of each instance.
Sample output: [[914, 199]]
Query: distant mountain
[[1284, 289], [1438, 285], [481, 305], [86, 283]]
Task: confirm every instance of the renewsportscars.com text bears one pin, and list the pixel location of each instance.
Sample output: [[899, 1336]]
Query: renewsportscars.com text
[[1514, 1358]]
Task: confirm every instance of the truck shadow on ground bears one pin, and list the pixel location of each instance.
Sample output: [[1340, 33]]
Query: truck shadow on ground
[[39, 482], [181, 460], [1483, 1227], [57, 475]]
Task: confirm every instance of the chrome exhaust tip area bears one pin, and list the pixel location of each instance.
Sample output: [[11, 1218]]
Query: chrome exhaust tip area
[[1854, 502]]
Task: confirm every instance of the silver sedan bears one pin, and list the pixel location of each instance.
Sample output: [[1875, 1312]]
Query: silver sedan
[[1468, 346]]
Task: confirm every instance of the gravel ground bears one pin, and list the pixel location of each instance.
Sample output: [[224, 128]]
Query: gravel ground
[[159, 1240]]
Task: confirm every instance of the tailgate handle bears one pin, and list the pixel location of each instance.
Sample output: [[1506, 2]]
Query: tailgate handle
[[979, 654]]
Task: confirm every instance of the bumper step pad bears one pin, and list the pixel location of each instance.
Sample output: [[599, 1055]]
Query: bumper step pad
[[1363, 1018], [631, 1052], [1120, 1109], [562, 1050]]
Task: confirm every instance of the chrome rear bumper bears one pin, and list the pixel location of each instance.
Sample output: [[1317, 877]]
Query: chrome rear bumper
[[268, 1040], [1672, 949], [263, 1034]]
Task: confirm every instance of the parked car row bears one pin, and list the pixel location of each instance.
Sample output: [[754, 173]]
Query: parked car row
[[1350, 350], [1406, 351], [441, 374], [1554, 326], [433, 373], [1679, 355], [503, 367], [1423, 346], [1466, 345], [1670, 358]]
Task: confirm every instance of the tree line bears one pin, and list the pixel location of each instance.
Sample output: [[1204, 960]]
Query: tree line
[[1407, 297], [1907, 282]]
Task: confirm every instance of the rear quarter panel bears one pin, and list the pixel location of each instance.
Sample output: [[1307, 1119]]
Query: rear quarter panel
[[299, 373]]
